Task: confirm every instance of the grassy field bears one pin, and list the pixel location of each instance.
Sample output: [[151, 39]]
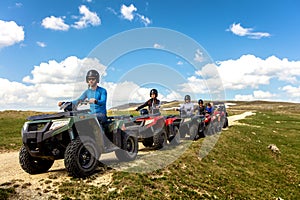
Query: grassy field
[[240, 166]]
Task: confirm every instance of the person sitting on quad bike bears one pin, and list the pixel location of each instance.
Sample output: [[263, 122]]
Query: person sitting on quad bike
[[201, 108], [95, 95], [153, 103], [187, 108], [209, 109]]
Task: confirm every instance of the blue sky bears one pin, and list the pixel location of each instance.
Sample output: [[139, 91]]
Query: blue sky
[[45, 45]]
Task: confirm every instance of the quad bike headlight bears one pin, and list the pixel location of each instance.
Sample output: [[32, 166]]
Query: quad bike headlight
[[56, 124], [25, 127], [149, 122]]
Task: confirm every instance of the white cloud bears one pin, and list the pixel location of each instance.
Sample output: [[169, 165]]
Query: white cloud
[[55, 23], [10, 33], [257, 95], [194, 85], [65, 71], [251, 72], [237, 29], [158, 46], [41, 44], [127, 11], [87, 18], [179, 62], [19, 5], [112, 10], [248, 97], [292, 91], [145, 20], [198, 56]]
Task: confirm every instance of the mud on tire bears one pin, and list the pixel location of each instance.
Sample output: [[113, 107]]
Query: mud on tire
[[81, 158], [31, 164]]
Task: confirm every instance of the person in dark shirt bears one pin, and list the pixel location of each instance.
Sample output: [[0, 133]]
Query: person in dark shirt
[[201, 108], [153, 103]]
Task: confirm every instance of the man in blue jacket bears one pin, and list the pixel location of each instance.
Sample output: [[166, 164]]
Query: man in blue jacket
[[95, 95]]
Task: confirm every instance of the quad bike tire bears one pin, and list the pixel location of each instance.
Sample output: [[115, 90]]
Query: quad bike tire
[[225, 125], [183, 131], [148, 142], [31, 164], [129, 149], [81, 158], [194, 132], [175, 140], [159, 140]]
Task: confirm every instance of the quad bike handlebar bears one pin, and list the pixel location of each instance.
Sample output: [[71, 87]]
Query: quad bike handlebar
[[69, 106]]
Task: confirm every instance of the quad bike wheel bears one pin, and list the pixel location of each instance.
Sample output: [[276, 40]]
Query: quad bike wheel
[[148, 142], [225, 124], [81, 158], [129, 149], [175, 140], [183, 130], [159, 140], [31, 164], [194, 132]]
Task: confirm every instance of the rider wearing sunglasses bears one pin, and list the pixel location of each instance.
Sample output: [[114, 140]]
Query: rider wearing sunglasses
[[95, 95]]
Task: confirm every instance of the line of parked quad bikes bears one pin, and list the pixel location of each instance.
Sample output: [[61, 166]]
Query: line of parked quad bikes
[[77, 137]]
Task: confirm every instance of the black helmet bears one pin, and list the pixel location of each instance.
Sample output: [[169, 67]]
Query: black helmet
[[154, 91], [187, 97], [92, 73], [200, 101]]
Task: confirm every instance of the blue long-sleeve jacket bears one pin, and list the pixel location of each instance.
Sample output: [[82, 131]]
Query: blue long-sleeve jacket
[[99, 94]]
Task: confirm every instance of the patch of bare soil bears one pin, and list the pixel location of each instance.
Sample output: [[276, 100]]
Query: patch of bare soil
[[45, 186]]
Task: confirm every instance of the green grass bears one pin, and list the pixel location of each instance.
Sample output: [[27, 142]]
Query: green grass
[[240, 166]]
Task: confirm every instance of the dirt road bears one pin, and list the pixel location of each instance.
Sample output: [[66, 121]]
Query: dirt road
[[44, 186]]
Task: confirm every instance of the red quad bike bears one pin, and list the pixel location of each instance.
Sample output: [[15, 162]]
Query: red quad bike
[[219, 118], [172, 129], [152, 130]]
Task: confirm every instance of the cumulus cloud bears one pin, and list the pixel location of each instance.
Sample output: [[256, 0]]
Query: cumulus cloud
[[129, 13], [55, 23], [292, 91], [257, 95], [237, 29], [65, 71], [250, 71], [10, 33], [87, 18]]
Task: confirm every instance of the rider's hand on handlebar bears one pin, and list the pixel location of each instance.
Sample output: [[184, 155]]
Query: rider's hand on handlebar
[[60, 103], [92, 101]]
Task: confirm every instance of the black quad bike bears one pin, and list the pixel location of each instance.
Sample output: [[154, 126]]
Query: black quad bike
[[75, 136], [192, 126]]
